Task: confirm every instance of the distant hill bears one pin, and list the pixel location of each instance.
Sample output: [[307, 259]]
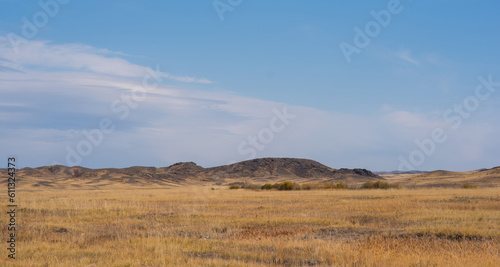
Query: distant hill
[[257, 171], [189, 173], [398, 172], [441, 178], [287, 168]]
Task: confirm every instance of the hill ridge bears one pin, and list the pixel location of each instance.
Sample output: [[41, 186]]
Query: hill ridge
[[260, 169]]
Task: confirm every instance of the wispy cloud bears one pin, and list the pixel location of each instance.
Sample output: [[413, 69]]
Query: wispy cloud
[[405, 55], [7, 69], [76, 57], [406, 119]]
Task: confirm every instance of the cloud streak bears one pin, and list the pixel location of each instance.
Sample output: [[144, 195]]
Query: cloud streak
[[406, 56], [76, 57], [61, 90]]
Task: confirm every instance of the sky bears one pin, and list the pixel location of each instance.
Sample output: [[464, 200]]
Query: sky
[[382, 85]]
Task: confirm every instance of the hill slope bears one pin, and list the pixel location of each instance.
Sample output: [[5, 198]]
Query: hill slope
[[291, 168], [440, 178], [188, 173]]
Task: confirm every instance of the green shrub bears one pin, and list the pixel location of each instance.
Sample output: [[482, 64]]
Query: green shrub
[[327, 185], [267, 187], [469, 186], [380, 185], [287, 185], [367, 185], [341, 186]]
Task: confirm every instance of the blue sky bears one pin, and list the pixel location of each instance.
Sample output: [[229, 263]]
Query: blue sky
[[217, 84]]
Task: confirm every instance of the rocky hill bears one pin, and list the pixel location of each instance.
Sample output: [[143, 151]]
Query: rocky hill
[[256, 170], [286, 168]]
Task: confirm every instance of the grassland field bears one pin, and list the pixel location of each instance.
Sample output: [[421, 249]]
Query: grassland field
[[215, 226]]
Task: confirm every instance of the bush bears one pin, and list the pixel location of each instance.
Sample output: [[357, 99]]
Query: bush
[[341, 186], [328, 185], [251, 186], [267, 187], [307, 186], [287, 185], [380, 185], [367, 185], [469, 186]]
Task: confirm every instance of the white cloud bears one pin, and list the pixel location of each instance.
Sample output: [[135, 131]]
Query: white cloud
[[406, 56], [407, 119], [76, 57], [13, 104], [64, 89]]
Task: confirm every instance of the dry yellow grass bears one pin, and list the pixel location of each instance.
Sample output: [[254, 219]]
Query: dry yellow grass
[[198, 226], [481, 178]]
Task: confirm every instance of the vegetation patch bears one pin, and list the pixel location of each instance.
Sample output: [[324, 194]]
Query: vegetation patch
[[380, 185], [446, 236], [288, 185], [469, 186]]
